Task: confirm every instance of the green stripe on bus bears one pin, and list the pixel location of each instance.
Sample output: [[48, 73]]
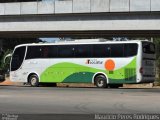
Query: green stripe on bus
[[61, 72], [123, 81], [80, 77]]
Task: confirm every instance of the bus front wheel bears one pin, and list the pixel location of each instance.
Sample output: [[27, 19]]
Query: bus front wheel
[[100, 81], [34, 81]]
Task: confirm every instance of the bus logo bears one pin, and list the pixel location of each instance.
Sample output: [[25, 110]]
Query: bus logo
[[109, 65], [93, 61]]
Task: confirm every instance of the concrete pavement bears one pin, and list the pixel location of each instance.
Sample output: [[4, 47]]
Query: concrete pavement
[[62, 100]]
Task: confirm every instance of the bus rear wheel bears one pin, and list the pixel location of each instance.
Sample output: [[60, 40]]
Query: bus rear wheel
[[34, 81], [101, 81]]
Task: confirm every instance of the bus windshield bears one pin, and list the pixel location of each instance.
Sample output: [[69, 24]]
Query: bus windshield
[[17, 58], [148, 47]]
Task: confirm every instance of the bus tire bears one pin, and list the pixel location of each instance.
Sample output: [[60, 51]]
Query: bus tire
[[101, 81], [34, 80]]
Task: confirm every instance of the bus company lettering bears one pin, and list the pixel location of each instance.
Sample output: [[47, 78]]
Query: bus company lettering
[[93, 61]]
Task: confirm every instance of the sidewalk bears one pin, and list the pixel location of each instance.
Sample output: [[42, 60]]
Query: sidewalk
[[148, 85], [7, 82]]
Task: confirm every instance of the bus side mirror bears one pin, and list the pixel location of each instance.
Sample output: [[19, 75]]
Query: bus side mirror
[[7, 56]]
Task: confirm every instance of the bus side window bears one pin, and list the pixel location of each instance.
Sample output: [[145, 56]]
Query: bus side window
[[66, 51], [117, 50], [83, 51], [130, 50], [34, 52], [53, 51], [101, 50], [45, 52]]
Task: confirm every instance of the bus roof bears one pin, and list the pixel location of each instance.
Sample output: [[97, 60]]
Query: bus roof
[[82, 42]]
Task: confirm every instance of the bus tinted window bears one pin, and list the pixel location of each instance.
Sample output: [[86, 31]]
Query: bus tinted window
[[83, 51], [53, 51], [117, 50], [101, 50], [148, 47], [66, 51], [130, 49], [17, 58], [34, 52]]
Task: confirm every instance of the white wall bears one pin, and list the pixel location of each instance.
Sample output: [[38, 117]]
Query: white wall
[[76, 25], [78, 6]]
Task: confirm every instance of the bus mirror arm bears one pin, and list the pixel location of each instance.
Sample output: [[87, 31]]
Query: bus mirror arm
[[8, 55]]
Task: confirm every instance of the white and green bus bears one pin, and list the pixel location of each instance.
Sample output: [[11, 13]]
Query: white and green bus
[[110, 63]]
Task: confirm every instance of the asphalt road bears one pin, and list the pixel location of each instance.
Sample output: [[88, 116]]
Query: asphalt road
[[61, 100]]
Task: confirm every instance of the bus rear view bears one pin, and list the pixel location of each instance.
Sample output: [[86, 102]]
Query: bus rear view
[[147, 69]]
